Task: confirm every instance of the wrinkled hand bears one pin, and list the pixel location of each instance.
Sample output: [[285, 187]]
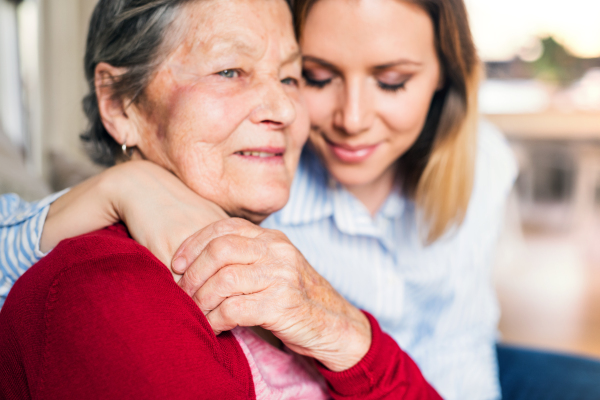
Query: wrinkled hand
[[159, 210], [242, 274]]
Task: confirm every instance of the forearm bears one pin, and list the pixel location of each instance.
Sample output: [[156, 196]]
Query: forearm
[[158, 209], [85, 208]]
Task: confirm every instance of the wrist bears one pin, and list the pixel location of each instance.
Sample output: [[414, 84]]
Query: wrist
[[108, 190], [85, 208], [354, 342]]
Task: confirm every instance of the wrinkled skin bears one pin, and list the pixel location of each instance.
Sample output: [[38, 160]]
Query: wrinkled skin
[[224, 114], [193, 120]]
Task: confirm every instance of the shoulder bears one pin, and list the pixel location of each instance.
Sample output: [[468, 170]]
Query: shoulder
[[109, 315], [110, 248], [90, 261]]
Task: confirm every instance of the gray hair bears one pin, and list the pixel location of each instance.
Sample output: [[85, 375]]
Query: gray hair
[[123, 33], [135, 35]]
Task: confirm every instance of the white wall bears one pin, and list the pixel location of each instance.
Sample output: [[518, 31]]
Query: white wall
[[63, 30], [11, 116]]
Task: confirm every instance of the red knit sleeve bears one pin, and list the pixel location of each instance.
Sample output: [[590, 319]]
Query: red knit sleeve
[[117, 326], [386, 372]]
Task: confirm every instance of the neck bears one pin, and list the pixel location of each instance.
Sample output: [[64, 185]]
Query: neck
[[374, 193]]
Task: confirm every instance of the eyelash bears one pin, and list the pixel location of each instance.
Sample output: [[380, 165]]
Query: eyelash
[[391, 88], [383, 86], [316, 83]]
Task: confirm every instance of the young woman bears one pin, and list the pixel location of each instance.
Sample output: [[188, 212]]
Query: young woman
[[397, 202]]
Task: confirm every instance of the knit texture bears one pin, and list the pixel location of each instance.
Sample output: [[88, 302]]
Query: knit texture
[[100, 317]]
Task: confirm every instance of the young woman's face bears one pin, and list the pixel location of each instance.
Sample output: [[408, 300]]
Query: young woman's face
[[371, 71]]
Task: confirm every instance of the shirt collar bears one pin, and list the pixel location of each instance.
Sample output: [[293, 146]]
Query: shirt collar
[[315, 196], [311, 196]]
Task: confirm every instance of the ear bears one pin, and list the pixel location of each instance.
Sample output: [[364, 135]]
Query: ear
[[118, 118]]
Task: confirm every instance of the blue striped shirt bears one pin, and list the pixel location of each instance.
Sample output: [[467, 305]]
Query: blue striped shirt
[[436, 301], [21, 225]]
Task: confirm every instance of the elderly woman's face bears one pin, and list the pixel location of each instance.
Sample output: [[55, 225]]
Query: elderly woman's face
[[224, 111]]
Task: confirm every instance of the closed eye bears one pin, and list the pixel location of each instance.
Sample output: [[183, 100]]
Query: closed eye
[[391, 88], [319, 84]]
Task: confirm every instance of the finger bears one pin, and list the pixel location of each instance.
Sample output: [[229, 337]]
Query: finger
[[230, 281], [219, 253], [237, 311], [194, 245]]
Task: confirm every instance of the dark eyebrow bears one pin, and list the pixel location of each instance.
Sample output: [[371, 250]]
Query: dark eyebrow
[[321, 62], [402, 61]]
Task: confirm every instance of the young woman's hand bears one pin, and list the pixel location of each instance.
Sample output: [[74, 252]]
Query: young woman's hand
[[158, 209], [241, 274]]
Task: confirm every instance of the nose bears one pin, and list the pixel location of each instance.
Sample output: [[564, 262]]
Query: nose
[[355, 113], [274, 105]]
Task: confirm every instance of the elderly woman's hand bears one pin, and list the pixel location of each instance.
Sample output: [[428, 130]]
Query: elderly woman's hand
[[242, 274]]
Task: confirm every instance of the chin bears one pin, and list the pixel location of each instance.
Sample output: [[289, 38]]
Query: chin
[[354, 176], [263, 203]]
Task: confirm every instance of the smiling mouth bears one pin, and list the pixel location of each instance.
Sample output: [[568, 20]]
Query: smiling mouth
[[260, 154], [350, 154]]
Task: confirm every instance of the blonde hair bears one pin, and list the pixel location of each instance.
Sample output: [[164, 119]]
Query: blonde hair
[[438, 170]]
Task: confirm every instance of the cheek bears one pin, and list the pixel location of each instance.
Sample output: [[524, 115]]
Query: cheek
[[320, 104], [301, 126], [408, 111], [208, 117], [199, 136]]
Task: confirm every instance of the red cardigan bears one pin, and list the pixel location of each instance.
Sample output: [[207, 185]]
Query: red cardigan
[[101, 318]]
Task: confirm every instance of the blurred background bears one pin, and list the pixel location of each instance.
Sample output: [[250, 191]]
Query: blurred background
[[542, 90]]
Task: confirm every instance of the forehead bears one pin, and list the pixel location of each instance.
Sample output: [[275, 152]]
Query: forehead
[[375, 29], [238, 26]]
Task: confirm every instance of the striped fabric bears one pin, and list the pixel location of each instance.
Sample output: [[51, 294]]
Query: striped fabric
[[436, 301], [21, 224]]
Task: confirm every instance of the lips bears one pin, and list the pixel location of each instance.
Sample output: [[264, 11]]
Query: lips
[[262, 153], [351, 154]]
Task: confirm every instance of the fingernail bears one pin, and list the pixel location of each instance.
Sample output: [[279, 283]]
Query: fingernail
[[179, 265]]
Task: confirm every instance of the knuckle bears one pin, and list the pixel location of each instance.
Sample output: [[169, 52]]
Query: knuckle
[[222, 227], [203, 301], [229, 277], [191, 276], [219, 246], [238, 222], [280, 236], [231, 308], [288, 275], [231, 225]]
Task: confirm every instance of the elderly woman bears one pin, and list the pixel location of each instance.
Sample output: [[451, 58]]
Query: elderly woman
[[101, 317]]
